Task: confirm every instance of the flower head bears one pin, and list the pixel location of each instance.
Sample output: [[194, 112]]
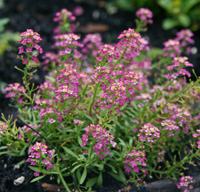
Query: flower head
[[186, 183], [146, 15], [149, 133], [101, 137]]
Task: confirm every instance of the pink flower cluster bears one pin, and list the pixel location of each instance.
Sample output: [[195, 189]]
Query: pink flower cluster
[[145, 97], [3, 127], [178, 68], [78, 10], [197, 134], [39, 152], [46, 87], [171, 126], [65, 20], [172, 48], [185, 37], [178, 114], [182, 41], [136, 162], [50, 58], [118, 87], [145, 15], [148, 133], [100, 138], [132, 42], [176, 85], [92, 42], [30, 39], [106, 53], [69, 84], [14, 90], [66, 43], [186, 183]]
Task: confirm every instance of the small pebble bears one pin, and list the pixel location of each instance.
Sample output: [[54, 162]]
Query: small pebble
[[19, 180], [95, 14], [194, 50], [16, 167]]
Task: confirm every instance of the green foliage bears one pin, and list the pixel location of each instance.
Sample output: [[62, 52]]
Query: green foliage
[[184, 13], [180, 13], [5, 38]]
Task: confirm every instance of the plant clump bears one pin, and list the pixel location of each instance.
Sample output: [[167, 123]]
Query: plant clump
[[123, 109]]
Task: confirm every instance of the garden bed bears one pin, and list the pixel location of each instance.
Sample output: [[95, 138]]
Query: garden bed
[[39, 16]]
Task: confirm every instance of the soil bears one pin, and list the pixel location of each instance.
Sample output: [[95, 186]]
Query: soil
[[38, 15]]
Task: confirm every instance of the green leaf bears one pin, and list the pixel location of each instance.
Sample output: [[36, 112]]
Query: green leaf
[[91, 182], [154, 53], [125, 4], [83, 177], [37, 178], [166, 4], [100, 179], [121, 174], [3, 147], [76, 167], [113, 169], [21, 162], [78, 174], [100, 166], [68, 151], [4, 152], [184, 20], [36, 169], [122, 142], [90, 118], [53, 173], [189, 4], [3, 22], [79, 140], [22, 152], [58, 180], [115, 176], [169, 23]]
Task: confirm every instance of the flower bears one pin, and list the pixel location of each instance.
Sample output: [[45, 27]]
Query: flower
[[130, 45], [30, 40], [186, 183], [51, 120], [65, 20], [39, 152], [78, 10], [14, 90], [101, 138], [177, 68], [145, 15], [148, 133], [136, 162]]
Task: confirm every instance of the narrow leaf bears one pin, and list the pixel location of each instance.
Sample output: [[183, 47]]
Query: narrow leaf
[[68, 151], [83, 177], [91, 182], [37, 178]]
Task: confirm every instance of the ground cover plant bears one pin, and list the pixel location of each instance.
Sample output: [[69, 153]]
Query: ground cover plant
[[123, 109]]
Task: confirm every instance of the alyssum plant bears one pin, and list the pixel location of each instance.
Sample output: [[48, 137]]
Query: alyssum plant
[[121, 109]]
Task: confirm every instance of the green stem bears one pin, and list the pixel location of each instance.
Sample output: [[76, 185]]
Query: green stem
[[172, 97], [118, 61], [139, 26], [63, 181], [94, 96], [27, 83]]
